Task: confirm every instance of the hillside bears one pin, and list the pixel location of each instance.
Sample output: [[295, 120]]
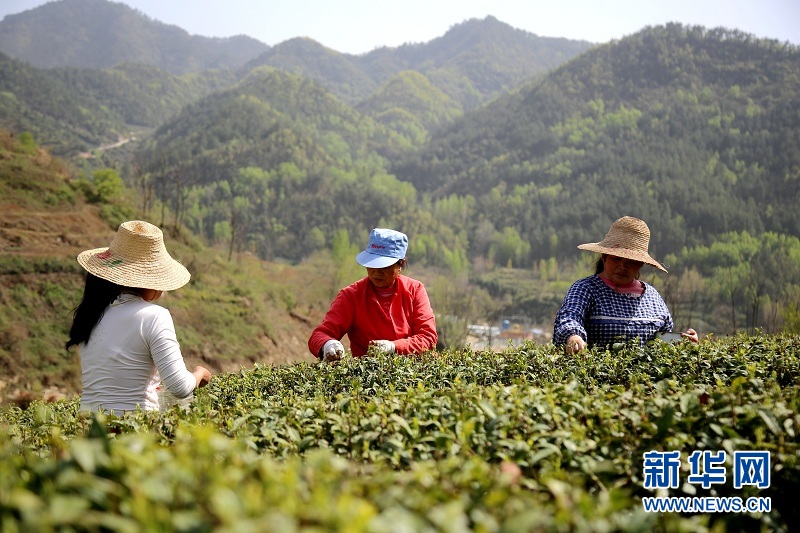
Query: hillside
[[142, 95], [272, 162], [59, 116], [333, 70], [696, 131], [410, 104], [73, 111], [87, 85], [480, 58], [692, 130], [232, 314], [102, 34], [472, 63]]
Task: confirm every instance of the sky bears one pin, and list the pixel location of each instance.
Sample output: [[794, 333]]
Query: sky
[[359, 26]]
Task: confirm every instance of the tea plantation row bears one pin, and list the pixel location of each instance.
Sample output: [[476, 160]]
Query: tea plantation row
[[527, 439]]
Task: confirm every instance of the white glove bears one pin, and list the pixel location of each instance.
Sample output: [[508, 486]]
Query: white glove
[[332, 350], [384, 346]]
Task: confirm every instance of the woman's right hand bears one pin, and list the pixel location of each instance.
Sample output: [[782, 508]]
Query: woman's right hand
[[574, 345], [332, 351], [202, 375]]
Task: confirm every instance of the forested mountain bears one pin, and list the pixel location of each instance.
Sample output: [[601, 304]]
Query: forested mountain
[[472, 63], [490, 55], [410, 104], [333, 70], [142, 95], [102, 34], [58, 116], [410, 88], [269, 164], [73, 110], [696, 131], [693, 130]]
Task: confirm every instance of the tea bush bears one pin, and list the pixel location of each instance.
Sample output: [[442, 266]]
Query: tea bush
[[418, 444]]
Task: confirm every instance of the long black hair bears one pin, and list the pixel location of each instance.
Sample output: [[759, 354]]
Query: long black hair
[[600, 265], [97, 296]]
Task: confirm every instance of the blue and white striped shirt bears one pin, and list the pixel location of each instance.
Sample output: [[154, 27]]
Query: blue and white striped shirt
[[603, 316]]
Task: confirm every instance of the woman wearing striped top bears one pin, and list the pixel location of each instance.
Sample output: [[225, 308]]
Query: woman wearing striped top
[[613, 305]]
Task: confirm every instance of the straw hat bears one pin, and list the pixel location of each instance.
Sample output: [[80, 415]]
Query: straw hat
[[629, 238], [137, 258]]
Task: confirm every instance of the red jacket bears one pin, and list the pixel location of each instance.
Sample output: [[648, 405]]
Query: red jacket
[[356, 312]]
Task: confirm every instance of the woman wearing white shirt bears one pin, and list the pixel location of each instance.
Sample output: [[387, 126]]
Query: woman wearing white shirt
[[127, 343]]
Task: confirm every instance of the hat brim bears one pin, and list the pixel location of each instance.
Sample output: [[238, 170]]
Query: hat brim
[[157, 275], [622, 252], [370, 260]]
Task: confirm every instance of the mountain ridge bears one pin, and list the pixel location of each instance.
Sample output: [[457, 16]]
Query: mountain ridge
[[486, 55], [134, 97], [475, 52], [104, 34]]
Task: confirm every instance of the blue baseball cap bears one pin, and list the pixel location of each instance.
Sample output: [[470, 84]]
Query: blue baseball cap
[[385, 247]]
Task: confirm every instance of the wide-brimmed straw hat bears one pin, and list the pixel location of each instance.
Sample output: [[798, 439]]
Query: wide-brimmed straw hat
[[628, 238], [137, 258]]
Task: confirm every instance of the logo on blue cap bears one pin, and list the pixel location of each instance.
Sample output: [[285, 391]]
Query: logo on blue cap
[[385, 247]]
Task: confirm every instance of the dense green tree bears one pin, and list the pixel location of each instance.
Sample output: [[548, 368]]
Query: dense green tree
[[108, 185], [749, 273]]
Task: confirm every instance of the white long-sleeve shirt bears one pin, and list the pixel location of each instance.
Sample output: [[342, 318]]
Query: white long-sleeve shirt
[[130, 351]]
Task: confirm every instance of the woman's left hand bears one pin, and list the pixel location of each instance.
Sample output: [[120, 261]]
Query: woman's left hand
[[691, 335], [202, 376], [383, 346]]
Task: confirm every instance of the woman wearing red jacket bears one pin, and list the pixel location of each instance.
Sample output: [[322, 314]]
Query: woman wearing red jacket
[[385, 310]]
